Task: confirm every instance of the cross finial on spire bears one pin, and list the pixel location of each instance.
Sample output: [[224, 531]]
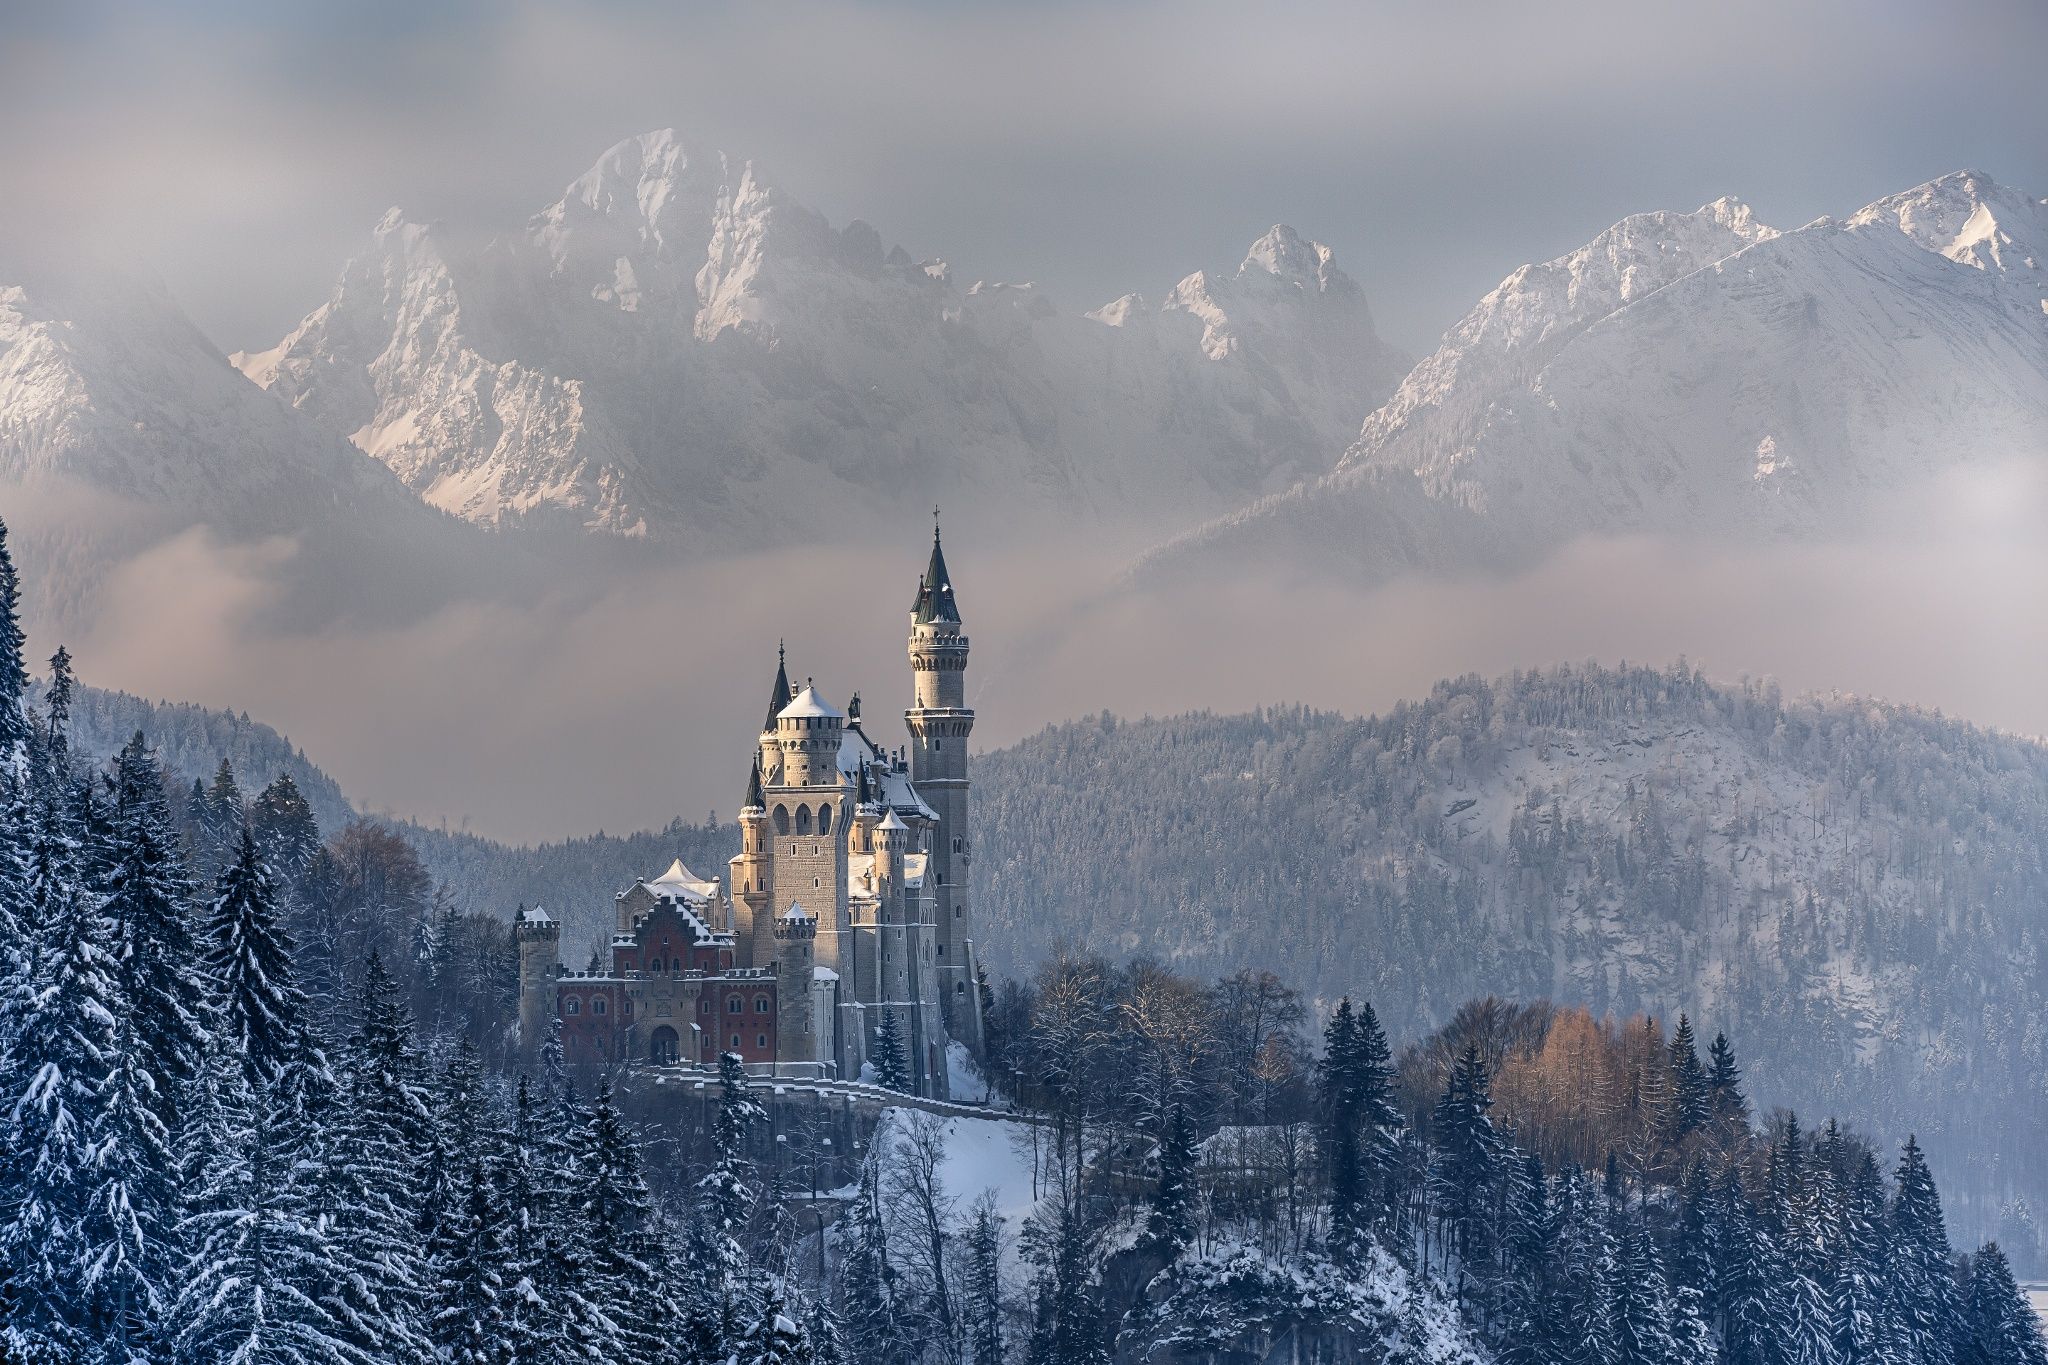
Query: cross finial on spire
[[935, 521], [781, 651]]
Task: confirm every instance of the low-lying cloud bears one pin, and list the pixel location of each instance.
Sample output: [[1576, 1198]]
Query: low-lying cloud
[[631, 695]]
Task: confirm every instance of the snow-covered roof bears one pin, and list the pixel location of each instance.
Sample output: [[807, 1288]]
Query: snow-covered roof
[[823, 974], [679, 881], [891, 821], [899, 795], [534, 914], [796, 911], [809, 703], [913, 869], [855, 748]]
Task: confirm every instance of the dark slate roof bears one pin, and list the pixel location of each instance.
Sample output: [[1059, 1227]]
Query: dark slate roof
[[935, 590], [782, 695]]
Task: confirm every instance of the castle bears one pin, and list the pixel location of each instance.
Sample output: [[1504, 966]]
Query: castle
[[843, 919]]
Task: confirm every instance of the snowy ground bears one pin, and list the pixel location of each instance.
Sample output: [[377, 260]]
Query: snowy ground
[[2037, 1295]]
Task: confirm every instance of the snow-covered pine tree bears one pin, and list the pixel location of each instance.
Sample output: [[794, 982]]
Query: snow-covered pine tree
[[474, 1310], [221, 817], [982, 1283], [1170, 1222], [1643, 1313], [369, 1182], [620, 1274], [1583, 1325], [55, 1073], [1999, 1326], [57, 711], [778, 1336], [725, 1200], [285, 829], [1527, 1250], [15, 731], [1752, 1281], [263, 1015], [1725, 1100], [867, 1274], [1061, 1240], [255, 1261], [1857, 1310], [1921, 1273], [1691, 1098], [892, 1069], [1341, 1146], [149, 900], [1462, 1177]]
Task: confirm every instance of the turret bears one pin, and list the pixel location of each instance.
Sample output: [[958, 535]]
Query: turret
[[539, 937], [750, 868], [940, 722], [808, 733], [796, 1035]]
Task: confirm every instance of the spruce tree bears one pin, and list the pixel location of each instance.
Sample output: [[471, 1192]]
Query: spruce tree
[[892, 1069], [263, 1015], [1468, 1154], [1999, 1326], [1751, 1282], [285, 829], [1857, 1310], [369, 1182], [148, 897], [1068, 1330], [619, 1258], [222, 818], [256, 1262], [1644, 1313], [1691, 1095], [726, 1197], [1924, 1308], [1527, 1251], [868, 1278], [56, 1072], [1724, 1088], [984, 1283], [777, 1336], [1170, 1222], [1587, 1275], [15, 731], [1341, 1147]]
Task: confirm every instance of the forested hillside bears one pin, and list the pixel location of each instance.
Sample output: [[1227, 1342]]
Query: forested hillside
[[1859, 887]]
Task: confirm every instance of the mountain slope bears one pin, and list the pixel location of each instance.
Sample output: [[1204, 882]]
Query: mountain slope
[[1855, 890], [677, 349], [1696, 375]]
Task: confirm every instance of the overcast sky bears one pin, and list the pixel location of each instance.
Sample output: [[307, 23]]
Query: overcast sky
[[242, 150]]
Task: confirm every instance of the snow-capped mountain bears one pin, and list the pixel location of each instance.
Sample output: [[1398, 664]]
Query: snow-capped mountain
[[1697, 375], [678, 349], [121, 426], [104, 381]]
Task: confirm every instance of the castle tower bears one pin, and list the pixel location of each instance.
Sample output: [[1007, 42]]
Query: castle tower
[[751, 869], [940, 722], [808, 801], [798, 1036], [539, 937]]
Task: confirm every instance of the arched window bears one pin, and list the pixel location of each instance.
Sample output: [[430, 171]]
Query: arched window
[[597, 1004], [735, 1040], [803, 819], [704, 1006], [825, 819], [733, 1004], [760, 1004], [760, 1040], [959, 988], [654, 965], [781, 818], [571, 1005]]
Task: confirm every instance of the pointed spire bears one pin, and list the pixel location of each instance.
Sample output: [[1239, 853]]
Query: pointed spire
[[756, 800], [935, 590], [781, 695]]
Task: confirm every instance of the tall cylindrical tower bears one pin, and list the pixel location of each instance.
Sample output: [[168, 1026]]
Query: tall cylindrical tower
[[940, 721]]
